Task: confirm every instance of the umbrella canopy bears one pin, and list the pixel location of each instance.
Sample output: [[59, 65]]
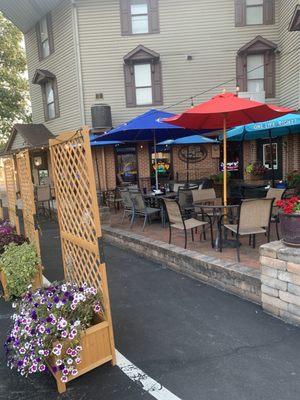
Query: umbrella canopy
[[189, 140], [236, 111], [143, 127], [97, 143], [288, 124], [226, 110]]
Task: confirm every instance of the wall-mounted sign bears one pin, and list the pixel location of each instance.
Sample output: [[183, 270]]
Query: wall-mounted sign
[[192, 154]]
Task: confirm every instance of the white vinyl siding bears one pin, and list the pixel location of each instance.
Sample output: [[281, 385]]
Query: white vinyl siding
[[143, 84], [254, 12], [62, 65], [255, 73]]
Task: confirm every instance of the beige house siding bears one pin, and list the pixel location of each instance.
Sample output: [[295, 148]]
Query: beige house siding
[[62, 64], [204, 29], [289, 42]]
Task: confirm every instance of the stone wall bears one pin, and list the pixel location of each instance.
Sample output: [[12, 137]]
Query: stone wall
[[280, 281]]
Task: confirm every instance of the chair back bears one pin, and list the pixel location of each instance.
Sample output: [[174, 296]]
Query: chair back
[[255, 213], [177, 186], [173, 211], [276, 194], [126, 200], [43, 193], [138, 201], [203, 194], [185, 198]]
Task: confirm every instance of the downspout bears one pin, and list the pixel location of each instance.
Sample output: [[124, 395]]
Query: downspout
[[78, 62]]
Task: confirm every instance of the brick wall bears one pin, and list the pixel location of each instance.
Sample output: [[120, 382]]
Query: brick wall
[[105, 174], [280, 279], [198, 170], [143, 159]]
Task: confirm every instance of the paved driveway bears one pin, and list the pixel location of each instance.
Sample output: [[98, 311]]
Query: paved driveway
[[194, 340]]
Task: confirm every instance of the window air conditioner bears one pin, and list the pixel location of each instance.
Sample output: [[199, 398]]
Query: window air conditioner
[[255, 96]]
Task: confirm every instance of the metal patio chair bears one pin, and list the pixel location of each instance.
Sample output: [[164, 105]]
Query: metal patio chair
[[176, 221], [277, 195], [43, 199], [254, 218], [126, 203], [140, 208]]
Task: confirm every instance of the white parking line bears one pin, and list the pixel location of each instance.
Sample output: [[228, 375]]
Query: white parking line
[[149, 385]]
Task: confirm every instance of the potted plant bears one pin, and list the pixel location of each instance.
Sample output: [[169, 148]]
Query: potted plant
[[293, 180], [256, 170], [289, 216], [19, 268], [218, 180], [62, 329]]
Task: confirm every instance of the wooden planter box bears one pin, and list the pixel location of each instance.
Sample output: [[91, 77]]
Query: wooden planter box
[[36, 283], [96, 350]]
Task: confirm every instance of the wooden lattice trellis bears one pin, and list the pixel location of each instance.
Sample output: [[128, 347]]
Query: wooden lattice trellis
[[78, 215], [27, 197], [9, 173]]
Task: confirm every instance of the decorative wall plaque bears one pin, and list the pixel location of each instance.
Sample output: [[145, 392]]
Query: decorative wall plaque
[[192, 154]]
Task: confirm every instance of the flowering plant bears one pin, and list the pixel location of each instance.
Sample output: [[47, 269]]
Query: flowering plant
[[6, 227], [8, 235], [48, 323], [256, 169], [289, 206]]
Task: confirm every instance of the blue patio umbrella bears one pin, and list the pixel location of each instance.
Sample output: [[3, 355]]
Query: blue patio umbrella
[[278, 127], [148, 127], [189, 140], [106, 143]]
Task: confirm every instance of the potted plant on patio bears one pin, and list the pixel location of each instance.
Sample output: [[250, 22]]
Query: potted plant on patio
[[293, 181], [289, 216], [217, 180], [19, 269], [256, 170], [62, 329]]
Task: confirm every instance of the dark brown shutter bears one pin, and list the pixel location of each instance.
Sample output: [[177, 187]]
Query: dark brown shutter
[[125, 16], [241, 72], [240, 12], [43, 87], [270, 70], [157, 91], [153, 16], [129, 86], [50, 33], [56, 100], [38, 40], [269, 12]]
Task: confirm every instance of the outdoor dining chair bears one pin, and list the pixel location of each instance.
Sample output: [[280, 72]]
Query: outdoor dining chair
[[254, 218], [127, 204], [277, 195], [176, 221], [140, 208], [43, 198]]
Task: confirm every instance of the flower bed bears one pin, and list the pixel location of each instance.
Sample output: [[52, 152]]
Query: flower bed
[[61, 328]]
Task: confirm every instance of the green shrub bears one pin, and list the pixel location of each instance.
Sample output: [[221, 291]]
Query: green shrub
[[20, 265]]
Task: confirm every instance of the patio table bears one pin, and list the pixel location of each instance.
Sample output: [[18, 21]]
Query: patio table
[[218, 212]]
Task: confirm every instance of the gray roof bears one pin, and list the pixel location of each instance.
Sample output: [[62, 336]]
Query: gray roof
[[34, 135], [26, 13]]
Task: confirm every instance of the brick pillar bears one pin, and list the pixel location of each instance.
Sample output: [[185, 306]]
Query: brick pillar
[[143, 157], [280, 281], [250, 155], [110, 167]]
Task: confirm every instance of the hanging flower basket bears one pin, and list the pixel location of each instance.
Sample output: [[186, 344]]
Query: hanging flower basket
[[289, 216]]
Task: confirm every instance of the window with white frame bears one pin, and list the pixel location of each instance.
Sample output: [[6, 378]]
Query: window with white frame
[[139, 16], [143, 84], [50, 103], [255, 73], [254, 12], [267, 157], [44, 37]]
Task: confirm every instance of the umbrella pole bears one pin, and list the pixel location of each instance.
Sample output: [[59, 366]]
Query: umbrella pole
[[155, 162], [225, 163], [272, 158]]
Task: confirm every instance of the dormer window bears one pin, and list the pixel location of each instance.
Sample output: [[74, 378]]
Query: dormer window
[[143, 79], [44, 36]]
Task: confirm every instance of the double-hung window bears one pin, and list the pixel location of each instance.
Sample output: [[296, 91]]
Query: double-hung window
[[49, 95], [139, 16], [143, 84], [254, 12], [44, 34], [44, 38], [255, 73]]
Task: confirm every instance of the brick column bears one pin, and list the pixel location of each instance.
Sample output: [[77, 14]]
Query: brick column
[[143, 158], [280, 281]]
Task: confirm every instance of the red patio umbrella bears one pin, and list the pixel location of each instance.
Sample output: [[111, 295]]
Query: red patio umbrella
[[226, 110]]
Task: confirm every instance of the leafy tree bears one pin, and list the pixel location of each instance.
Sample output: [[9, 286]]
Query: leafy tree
[[14, 95]]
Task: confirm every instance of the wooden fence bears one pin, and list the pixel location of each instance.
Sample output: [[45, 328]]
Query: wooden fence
[[10, 183]]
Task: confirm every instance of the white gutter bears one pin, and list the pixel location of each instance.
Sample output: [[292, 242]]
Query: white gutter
[[78, 61]]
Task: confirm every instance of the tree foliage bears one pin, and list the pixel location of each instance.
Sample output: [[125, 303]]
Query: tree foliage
[[14, 96]]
